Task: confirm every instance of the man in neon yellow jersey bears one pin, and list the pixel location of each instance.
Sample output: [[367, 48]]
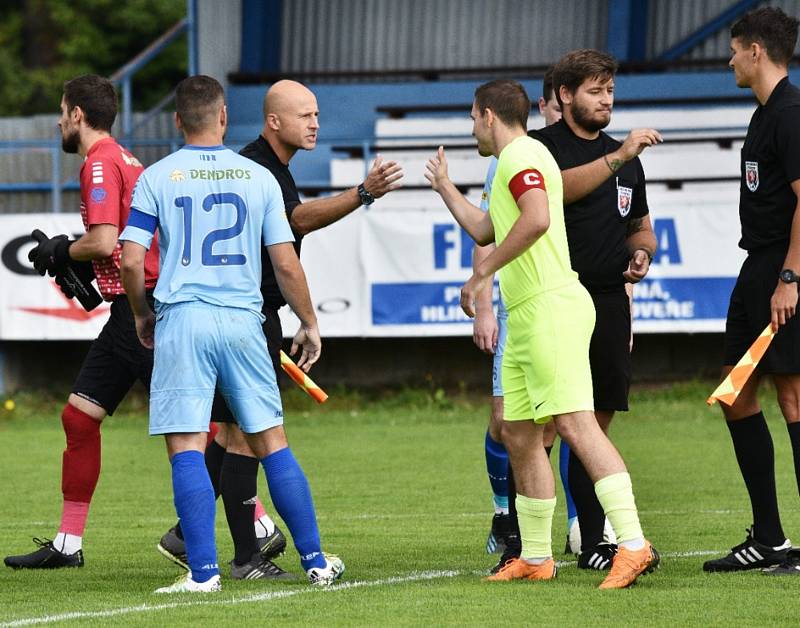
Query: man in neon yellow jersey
[[546, 374]]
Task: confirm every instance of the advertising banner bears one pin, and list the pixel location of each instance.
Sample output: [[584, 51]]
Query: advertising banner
[[32, 307], [396, 271]]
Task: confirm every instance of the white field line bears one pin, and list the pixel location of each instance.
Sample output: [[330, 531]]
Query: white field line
[[277, 595], [215, 601]]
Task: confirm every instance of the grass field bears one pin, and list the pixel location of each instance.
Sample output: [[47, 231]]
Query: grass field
[[402, 495]]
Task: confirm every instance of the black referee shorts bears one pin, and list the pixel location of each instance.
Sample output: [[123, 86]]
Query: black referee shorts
[[115, 360], [220, 412], [609, 351], [749, 313]]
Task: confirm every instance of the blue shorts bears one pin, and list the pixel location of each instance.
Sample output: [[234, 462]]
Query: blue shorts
[[497, 364], [200, 347]]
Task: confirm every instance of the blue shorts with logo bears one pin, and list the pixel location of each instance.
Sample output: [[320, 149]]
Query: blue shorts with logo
[[201, 347], [497, 364]]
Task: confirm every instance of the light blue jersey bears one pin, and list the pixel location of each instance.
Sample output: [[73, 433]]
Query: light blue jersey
[[213, 209], [502, 314]]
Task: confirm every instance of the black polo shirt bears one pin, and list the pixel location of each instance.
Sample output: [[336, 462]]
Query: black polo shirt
[[261, 152], [597, 224], [770, 162]]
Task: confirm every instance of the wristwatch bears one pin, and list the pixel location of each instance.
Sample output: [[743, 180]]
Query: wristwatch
[[789, 276], [365, 197]]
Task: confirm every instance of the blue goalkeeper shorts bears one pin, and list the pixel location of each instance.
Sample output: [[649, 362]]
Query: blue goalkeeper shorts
[[200, 347]]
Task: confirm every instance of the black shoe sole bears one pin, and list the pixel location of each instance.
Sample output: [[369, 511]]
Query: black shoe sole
[[17, 567]]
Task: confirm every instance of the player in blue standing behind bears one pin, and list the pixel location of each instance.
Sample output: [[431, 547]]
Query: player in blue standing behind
[[213, 209]]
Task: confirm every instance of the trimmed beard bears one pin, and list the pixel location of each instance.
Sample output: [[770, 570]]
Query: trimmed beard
[[69, 143], [581, 117]]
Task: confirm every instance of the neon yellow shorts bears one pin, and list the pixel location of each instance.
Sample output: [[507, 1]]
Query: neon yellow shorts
[[546, 361]]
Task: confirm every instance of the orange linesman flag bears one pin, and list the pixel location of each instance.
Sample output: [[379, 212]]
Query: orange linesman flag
[[301, 379], [732, 385]]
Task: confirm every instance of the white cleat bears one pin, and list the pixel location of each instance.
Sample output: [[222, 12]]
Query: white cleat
[[185, 584], [573, 537], [608, 533], [327, 575]]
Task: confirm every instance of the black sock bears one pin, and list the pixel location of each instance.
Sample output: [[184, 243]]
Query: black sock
[[794, 436], [756, 457], [214, 455], [513, 522], [591, 518], [239, 484]]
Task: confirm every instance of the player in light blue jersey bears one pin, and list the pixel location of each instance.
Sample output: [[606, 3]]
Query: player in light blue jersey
[[213, 209]]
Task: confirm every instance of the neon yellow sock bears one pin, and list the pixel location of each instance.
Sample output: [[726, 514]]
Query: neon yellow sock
[[535, 526], [615, 494]]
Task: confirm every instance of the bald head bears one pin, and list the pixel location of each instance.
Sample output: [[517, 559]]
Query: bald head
[[291, 118], [287, 95]]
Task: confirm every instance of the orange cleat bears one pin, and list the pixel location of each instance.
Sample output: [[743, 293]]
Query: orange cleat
[[518, 569], [629, 565]]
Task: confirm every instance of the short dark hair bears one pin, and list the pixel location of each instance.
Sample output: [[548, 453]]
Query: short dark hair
[[770, 27], [507, 99], [547, 84], [96, 97], [197, 100], [577, 66]]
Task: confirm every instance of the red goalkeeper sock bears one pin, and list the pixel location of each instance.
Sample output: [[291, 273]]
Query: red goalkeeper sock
[[80, 468]]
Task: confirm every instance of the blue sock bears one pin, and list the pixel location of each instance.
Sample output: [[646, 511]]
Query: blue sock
[[497, 468], [563, 468], [196, 506], [291, 496]]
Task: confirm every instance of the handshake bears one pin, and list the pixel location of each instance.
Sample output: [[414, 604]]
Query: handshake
[[74, 278]]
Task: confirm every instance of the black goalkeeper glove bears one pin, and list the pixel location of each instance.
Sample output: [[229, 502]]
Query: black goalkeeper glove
[[51, 256], [85, 272]]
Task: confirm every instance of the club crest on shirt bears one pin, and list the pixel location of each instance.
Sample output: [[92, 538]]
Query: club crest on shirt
[[624, 196], [751, 175]]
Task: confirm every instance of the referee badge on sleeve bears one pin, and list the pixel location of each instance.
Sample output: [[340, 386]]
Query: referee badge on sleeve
[[624, 196], [751, 175]]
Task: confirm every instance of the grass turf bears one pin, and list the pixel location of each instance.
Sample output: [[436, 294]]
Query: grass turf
[[401, 493]]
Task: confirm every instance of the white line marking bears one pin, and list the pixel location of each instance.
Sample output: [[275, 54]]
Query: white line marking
[[259, 597], [277, 595]]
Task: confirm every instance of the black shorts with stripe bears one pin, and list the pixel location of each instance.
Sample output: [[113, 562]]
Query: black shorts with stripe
[[116, 360], [749, 312], [609, 350]]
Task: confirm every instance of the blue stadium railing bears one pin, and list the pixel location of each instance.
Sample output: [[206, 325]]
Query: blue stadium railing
[[123, 79]]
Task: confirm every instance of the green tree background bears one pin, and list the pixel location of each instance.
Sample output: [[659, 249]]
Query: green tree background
[[45, 42]]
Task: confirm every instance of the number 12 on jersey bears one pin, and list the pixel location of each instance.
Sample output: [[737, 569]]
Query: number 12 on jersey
[[207, 257]]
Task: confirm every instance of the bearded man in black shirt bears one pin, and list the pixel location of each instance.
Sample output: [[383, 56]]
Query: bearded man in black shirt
[[766, 291], [611, 243]]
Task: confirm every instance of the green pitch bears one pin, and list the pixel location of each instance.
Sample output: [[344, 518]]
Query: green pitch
[[402, 496]]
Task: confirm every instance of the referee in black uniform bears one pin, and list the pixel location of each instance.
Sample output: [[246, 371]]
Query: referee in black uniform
[[762, 43], [291, 123], [611, 242]]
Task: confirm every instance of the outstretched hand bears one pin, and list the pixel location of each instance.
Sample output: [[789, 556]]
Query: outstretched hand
[[383, 177], [637, 141], [437, 170]]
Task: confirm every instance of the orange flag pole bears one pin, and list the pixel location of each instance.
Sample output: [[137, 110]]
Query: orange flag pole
[[732, 385], [301, 379]]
